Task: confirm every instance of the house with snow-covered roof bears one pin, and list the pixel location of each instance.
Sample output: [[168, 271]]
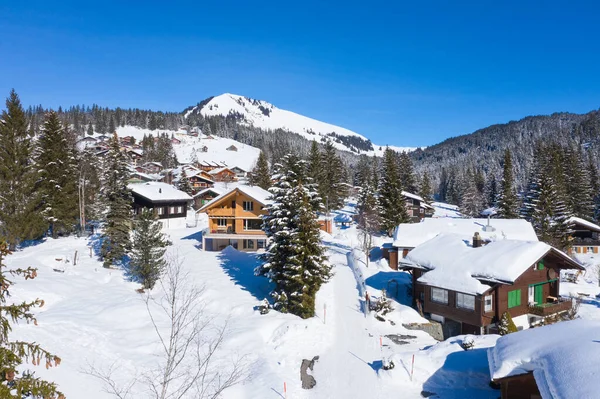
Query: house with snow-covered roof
[[410, 235], [169, 203], [235, 218], [223, 174], [585, 236], [204, 196], [416, 207], [467, 284], [550, 362]]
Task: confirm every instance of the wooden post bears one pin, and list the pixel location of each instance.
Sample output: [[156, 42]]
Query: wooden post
[[284, 390], [75, 259], [412, 368], [324, 313], [90, 252]]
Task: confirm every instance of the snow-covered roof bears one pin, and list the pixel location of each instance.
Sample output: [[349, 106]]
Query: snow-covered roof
[[159, 192], [411, 235], [219, 170], [207, 190], [563, 357], [584, 223], [454, 264], [416, 197], [259, 194], [489, 211]]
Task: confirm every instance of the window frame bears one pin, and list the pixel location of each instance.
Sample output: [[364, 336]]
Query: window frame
[[540, 265], [460, 303], [221, 222], [248, 208], [179, 209], [160, 210], [441, 291], [485, 305], [245, 224]]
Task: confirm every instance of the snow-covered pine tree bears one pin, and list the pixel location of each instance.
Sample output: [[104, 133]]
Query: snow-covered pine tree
[[595, 185], [90, 129], [375, 173], [57, 186], [117, 198], [315, 166], [295, 259], [471, 203], [506, 324], [368, 216], [507, 207], [20, 214], [425, 190], [406, 173], [363, 173], [13, 354], [579, 192], [491, 190], [391, 201], [184, 184], [260, 175], [148, 249], [331, 189]]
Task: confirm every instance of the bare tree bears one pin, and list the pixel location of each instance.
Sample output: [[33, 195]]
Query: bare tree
[[189, 342]]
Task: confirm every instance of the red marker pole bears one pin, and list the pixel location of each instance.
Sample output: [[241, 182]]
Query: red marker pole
[[324, 313], [284, 390], [412, 368]]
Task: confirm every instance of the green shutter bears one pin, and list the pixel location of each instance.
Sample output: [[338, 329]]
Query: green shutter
[[540, 265], [514, 298]]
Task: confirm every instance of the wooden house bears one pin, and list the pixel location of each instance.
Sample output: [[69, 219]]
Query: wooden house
[[153, 167], [555, 361], [204, 149], [169, 204], [223, 175], [416, 207], [86, 142], [204, 196], [234, 218], [468, 285], [585, 236], [134, 156], [199, 181], [127, 140], [239, 172], [208, 165], [410, 235]]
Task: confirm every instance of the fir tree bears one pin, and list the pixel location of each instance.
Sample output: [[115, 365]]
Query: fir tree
[[368, 216], [491, 190], [425, 189], [331, 189], [20, 214], [13, 354], [579, 191], [406, 173], [90, 129], [295, 258], [111, 125], [148, 249], [57, 183], [363, 174], [391, 201], [507, 200], [117, 199], [506, 324], [595, 185], [260, 175], [184, 184], [471, 203]]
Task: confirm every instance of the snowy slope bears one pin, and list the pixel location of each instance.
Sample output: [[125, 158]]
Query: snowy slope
[[266, 116], [189, 149]]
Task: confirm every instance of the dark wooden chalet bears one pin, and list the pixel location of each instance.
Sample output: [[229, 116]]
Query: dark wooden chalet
[[468, 286], [416, 206], [585, 236], [169, 204], [204, 196]]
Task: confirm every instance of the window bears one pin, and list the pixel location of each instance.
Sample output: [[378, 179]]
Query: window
[[465, 301], [252, 224], [179, 209], [487, 300], [248, 205], [160, 210], [439, 295], [260, 244], [171, 210], [590, 249], [221, 222], [421, 210], [250, 244], [514, 298], [540, 265], [530, 294]]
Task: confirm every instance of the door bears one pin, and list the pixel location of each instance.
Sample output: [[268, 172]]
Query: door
[[539, 294]]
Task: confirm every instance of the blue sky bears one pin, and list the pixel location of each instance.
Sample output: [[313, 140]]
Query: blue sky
[[401, 73]]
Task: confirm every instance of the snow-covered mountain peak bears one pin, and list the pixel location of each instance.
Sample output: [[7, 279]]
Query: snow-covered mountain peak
[[264, 115]]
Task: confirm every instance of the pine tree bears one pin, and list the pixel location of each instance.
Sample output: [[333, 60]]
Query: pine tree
[[506, 324], [507, 200], [13, 354], [117, 199], [471, 203], [363, 174], [20, 214], [295, 258], [491, 190], [148, 249], [56, 164], [368, 216], [260, 175], [579, 191], [111, 125], [391, 201], [595, 185], [90, 129], [406, 173], [425, 189], [184, 184], [331, 189]]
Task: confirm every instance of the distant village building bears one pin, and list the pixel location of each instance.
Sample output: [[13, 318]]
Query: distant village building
[[239, 172], [153, 167], [86, 142], [234, 218], [468, 285], [223, 175], [416, 206], [232, 148], [585, 236], [169, 204], [175, 140], [204, 149], [134, 156], [204, 196]]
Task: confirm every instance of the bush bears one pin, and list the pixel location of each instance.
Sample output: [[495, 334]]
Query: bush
[[506, 325], [467, 343]]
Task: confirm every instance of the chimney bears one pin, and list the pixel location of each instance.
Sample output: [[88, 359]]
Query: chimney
[[160, 190], [477, 240]]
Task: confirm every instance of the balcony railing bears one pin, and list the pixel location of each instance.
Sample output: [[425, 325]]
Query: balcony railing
[[551, 307]]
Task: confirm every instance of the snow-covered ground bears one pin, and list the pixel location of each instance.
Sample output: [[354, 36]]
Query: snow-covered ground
[[94, 316], [443, 210]]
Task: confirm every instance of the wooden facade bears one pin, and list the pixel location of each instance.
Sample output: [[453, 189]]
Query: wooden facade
[[204, 197], [535, 293], [235, 219], [585, 238], [522, 386], [223, 175]]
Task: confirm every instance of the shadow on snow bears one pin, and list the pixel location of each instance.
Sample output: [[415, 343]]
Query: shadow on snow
[[240, 268]]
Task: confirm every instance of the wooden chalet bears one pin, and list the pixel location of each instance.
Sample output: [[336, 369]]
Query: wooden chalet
[[209, 165], [223, 175], [86, 142], [234, 218], [550, 362], [204, 149], [467, 286], [169, 204], [153, 167], [134, 156], [127, 140], [204, 196], [416, 206], [239, 172], [585, 236]]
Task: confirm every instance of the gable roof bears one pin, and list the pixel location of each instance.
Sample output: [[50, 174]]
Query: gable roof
[[411, 235], [564, 358], [208, 190], [158, 192], [257, 193], [453, 264], [219, 170], [584, 223]]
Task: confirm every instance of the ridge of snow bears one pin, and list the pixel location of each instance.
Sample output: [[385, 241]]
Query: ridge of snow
[[266, 116]]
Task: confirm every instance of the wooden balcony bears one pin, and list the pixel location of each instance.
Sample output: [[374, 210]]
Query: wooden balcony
[[551, 307]]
